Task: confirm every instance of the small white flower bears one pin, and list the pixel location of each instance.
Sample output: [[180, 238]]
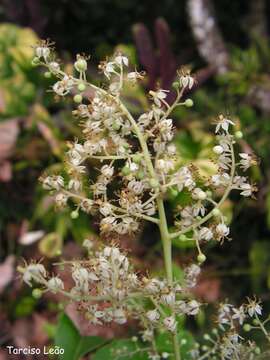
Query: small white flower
[[120, 59], [223, 124], [205, 234], [170, 323], [222, 230], [218, 149], [34, 272], [247, 190], [153, 315], [107, 171], [55, 284], [158, 96], [199, 194]]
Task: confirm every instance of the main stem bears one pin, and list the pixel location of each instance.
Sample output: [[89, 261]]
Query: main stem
[[167, 252]]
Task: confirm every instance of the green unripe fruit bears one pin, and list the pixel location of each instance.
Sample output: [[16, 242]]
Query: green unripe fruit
[[74, 214], [77, 98], [126, 146], [238, 135], [37, 293], [125, 170], [175, 84], [81, 87], [188, 103], [257, 351], [81, 65], [137, 158], [47, 74], [206, 337], [216, 212], [247, 327], [201, 258], [154, 183], [256, 322]]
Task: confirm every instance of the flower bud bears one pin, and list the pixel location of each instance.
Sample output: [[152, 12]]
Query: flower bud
[[188, 103], [81, 87], [77, 98], [218, 149], [201, 258], [80, 65]]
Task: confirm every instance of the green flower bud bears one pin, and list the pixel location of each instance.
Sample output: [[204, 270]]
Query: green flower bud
[[216, 212], [74, 214], [182, 237], [125, 170], [175, 85], [47, 74], [116, 126], [35, 61], [37, 293], [201, 258], [154, 183], [81, 87], [140, 174], [80, 65], [257, 350], [247, 327], [238, 135], [188, 103], [77, 98], [137, 158]]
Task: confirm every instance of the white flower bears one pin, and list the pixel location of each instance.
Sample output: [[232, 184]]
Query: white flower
[[119, 316], [168, 299], [109, 69], [34, 272], [218, 149], [158, 96], [246, 161], [106, 209], [61, 199], [54, 66], [153, 315], [170, 323], [222, 230], [247, 190], [107, 171], [193, 307], [254, 308], [42, 51], [239, 314], [199, 194], [205, 234], [120, 59], [186, 80], [55, 284], [53, 182], [223, 124]]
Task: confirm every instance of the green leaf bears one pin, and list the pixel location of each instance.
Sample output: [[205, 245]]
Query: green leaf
[[75, 346], [122, 349]]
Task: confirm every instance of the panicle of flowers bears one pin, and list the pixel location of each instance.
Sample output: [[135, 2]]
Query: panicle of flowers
[[139, 168]]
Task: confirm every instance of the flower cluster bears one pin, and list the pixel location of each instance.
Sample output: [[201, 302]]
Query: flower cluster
[[139, 168]]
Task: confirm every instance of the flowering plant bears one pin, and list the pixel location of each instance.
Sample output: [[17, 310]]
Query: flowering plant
[[138, 167]]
